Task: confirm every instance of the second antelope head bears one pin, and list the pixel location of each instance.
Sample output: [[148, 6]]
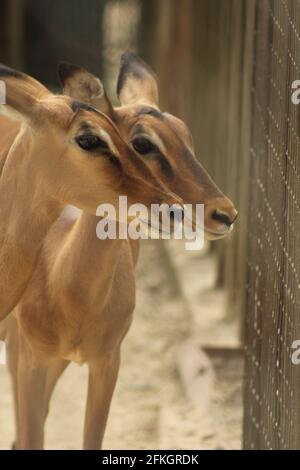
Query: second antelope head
[[162, 140]]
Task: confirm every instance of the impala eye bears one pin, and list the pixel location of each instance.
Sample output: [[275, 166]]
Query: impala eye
[[144, 146], [91, 142]]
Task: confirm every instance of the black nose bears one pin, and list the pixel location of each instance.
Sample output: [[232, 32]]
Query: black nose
[[223, 218]]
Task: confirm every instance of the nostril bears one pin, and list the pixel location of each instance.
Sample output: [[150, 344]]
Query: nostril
[[223, 218]]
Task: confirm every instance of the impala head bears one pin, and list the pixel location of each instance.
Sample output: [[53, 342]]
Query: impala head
[[75, 153], [162, 140]]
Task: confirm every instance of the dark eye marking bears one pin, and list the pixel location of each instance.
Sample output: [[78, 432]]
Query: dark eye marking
[[91, 142], [144, 146], [165, 166], [85, 128]]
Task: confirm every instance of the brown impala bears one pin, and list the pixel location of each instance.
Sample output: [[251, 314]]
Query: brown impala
[[79, 303], [64, 152]]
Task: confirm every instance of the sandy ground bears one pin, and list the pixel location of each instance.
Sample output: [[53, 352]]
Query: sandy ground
[[150, 409]]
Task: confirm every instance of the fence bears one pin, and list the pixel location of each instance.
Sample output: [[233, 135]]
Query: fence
[[272, 392]]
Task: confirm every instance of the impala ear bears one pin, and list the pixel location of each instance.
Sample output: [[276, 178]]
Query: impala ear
[[83, 86], [20, 95], [137, 83]]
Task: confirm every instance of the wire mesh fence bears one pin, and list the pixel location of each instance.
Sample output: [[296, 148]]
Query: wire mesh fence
[[272, 392]]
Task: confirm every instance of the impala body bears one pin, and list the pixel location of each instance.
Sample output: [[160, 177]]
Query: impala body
[[64, 152], [79, 303]]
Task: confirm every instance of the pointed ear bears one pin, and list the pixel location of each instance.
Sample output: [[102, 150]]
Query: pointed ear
[[22, 94], [84, 86], [137, 83]]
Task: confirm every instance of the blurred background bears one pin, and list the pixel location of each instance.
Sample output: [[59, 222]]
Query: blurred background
[[226, 68]]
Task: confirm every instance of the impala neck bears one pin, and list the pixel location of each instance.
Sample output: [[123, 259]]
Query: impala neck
[[26, 214], [91, 263]]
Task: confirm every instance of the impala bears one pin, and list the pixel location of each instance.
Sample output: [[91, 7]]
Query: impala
[[64, 152], [79, 308]]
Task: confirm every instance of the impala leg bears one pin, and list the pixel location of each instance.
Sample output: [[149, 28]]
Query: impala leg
[[4, 327], [102, 380], [12, 349], [55, 370], [41, 383], [32, 376]]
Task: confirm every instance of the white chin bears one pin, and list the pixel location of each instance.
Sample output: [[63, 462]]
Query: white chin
[[217, 236], [214, 236]]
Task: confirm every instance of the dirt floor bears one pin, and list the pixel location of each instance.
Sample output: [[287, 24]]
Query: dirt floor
[[150, 408]]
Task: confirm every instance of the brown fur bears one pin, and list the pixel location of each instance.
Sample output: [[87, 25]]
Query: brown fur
[[80, 301], [43, 169]]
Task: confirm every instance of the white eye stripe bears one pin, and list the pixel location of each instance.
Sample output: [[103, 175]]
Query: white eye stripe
[[108, 140], [154, 139], [158, 142]]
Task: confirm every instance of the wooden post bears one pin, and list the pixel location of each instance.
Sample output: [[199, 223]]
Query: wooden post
[[16, 33]]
